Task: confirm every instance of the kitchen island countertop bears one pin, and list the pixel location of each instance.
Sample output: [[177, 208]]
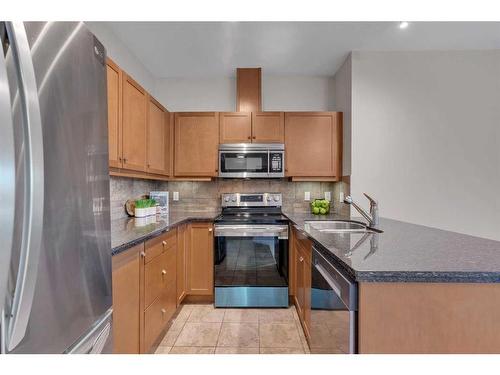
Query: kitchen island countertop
[[406, 252]]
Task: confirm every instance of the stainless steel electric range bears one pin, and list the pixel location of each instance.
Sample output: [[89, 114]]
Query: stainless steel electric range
[[251, 251]]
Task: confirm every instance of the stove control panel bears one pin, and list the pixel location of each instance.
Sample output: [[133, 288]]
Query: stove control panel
[[251, 200]]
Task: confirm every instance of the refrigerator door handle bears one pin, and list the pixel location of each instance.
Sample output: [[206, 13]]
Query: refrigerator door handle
[[18, 316], [7, 178]]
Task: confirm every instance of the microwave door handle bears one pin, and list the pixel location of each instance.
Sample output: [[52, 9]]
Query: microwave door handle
[[18, 316], [8, 185]]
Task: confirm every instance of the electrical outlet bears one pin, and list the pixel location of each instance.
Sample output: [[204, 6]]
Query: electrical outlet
[[176, 196], [328, 195], [307, 195], [341, 197]]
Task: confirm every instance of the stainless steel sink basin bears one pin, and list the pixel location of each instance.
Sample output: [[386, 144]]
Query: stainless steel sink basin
[[336, 226]]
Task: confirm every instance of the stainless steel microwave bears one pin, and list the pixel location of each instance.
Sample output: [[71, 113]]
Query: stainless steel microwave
[[252, 160]]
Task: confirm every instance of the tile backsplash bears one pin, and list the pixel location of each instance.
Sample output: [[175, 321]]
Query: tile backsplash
[[205, 195]]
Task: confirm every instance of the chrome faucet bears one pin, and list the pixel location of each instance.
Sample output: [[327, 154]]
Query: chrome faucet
[[372, 217]]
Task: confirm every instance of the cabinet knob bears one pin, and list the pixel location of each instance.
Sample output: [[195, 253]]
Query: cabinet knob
[[210, 229], [254, 137], [301, 259], [163, 272], [119, 158], [143, 254], [124, 160], [163, 311], [249, 137], [164, 243]]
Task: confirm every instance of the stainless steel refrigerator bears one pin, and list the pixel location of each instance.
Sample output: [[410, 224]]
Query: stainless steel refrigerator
[[55, 246]]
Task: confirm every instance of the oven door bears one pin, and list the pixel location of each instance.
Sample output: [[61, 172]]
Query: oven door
[[333, 309], [251, 265], [244, 164]]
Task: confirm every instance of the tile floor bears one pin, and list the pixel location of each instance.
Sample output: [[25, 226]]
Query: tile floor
[[203, 329]]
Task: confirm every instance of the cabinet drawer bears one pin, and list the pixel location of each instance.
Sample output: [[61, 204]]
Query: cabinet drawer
[[156, 246], [158, 275], [157, 315]]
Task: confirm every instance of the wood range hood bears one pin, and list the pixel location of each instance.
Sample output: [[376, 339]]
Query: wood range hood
[[248, 89]]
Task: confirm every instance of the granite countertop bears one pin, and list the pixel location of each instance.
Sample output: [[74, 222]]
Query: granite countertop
[[129, 231], [407, 252]]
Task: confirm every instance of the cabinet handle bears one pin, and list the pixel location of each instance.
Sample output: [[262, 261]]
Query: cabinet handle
[[301, 259], [163, 272], [249, 137], [210, 229], [254, 137], [143, 254], [163, 311], [149, 165], [119, 158], [164, 243], [124, 160]]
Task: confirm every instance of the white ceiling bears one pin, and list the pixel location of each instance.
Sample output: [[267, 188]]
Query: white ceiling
[[194, 49]]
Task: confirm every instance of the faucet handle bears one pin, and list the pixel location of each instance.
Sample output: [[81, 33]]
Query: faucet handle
[[373, 202]]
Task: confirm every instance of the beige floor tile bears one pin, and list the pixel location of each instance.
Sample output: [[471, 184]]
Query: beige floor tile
[[183, 315], [163, 349], [239, 335], [241, 316], [281, 335], [192, 350], [282, 350], [276, 316], [206, 314], [198, 334], [232, 350]]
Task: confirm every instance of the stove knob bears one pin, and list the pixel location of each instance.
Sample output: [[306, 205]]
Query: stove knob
[[269, 198], [276, 198], [227, 198], [233, 198]]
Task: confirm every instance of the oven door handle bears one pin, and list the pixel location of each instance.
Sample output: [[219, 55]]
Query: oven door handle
[[251, 231]]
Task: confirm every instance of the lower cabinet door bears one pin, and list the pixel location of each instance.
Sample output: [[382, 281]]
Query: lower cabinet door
[[181, 263], [200, 259], [126, 301]]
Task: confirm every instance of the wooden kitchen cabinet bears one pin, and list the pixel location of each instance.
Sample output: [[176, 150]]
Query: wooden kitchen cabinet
[[114, 90], [313, 144], [196, 144], [158, 138], [268, 127], [235, 127], [200, 259], [126, 300], [182, 232], [302, 279], [158, 297], [134, 122]]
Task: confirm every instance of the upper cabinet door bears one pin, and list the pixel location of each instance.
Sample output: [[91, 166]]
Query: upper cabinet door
[[235, 127], [114, 79], [268, 127], [157, 138], [196, 144], [313, 144], [135, 104]]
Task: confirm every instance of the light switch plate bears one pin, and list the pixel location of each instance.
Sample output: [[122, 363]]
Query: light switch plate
[[176, 196], [307, 195], [328, 195]]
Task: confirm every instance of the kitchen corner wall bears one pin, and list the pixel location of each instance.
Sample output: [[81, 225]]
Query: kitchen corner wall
[[206, 195]]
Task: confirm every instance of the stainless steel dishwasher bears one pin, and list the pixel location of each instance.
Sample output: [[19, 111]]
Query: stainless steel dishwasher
[[334, 302]]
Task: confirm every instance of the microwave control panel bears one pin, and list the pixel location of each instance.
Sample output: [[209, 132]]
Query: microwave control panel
[[275, 162]]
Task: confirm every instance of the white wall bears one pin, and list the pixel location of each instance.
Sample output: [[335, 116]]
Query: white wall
[[280, 93], [121, 55], [343, 94], [426, 137]]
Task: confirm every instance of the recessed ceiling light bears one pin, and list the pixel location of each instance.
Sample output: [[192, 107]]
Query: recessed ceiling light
[[403, 25]]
